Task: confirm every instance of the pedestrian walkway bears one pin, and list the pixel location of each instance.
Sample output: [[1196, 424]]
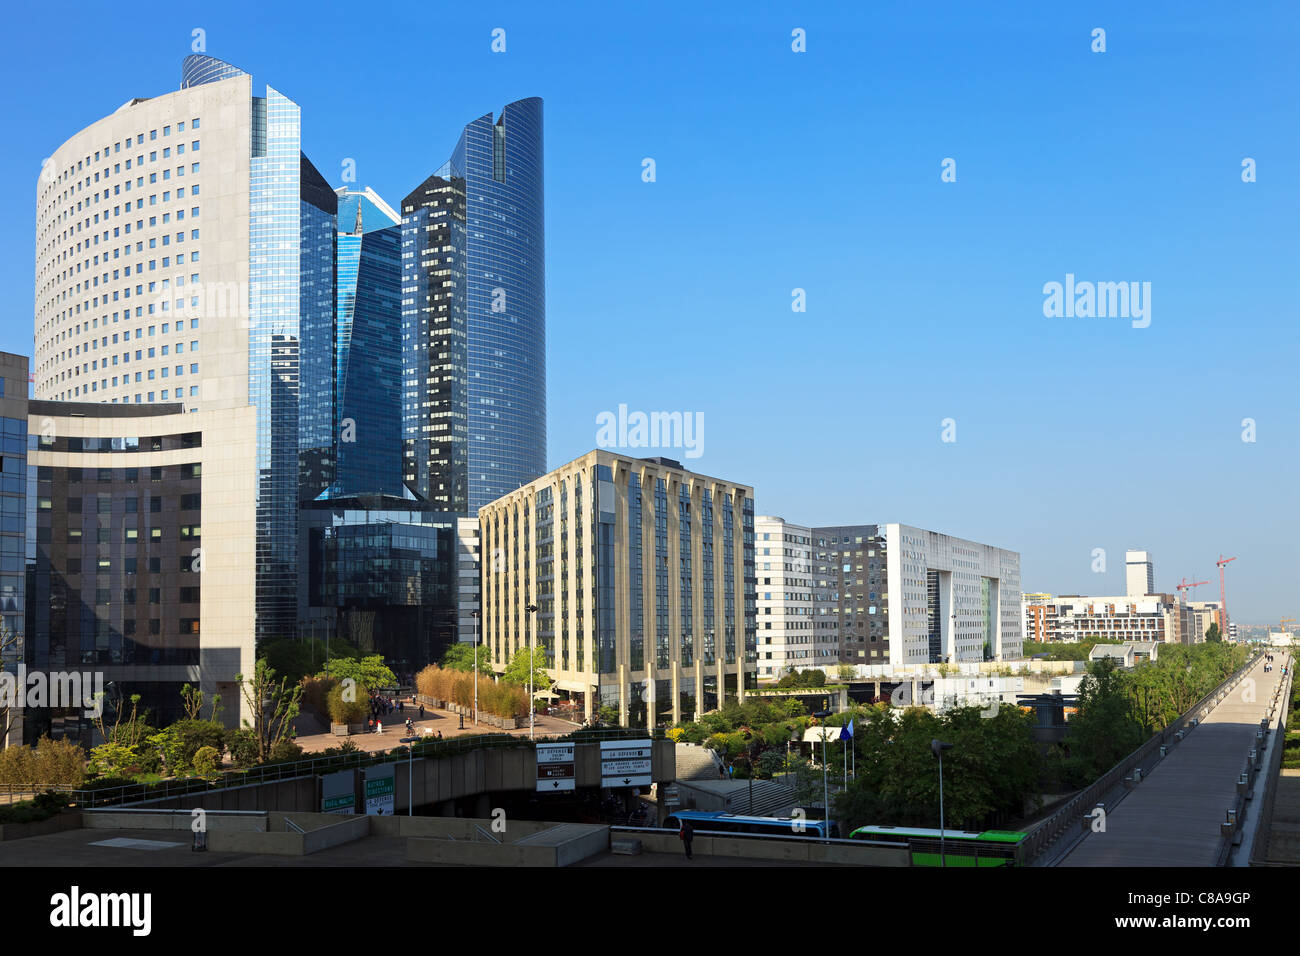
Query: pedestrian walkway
[[1172, 817], [434, 723]]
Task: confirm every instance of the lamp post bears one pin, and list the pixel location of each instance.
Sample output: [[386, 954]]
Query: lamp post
[[410, 772], [826, 795], [937, 746], [475, 615], [532, 666]]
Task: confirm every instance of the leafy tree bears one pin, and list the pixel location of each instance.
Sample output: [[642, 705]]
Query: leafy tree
[[207, 762], [770, 763], [460, 657], [274, 705], [1212, 633], [295, 659], [183, 739], [516, 671], [369, 673], [193, 698], [1105, 729]]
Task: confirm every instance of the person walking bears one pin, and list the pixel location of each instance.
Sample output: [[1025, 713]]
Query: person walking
[[687, 834], [422, 712]]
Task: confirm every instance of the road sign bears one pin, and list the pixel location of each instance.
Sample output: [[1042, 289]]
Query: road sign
[[555, 771], [625, 763], [338, 792], [672, 798], [380, 790]]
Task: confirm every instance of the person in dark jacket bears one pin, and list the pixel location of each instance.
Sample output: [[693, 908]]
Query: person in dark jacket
[[687, 833]]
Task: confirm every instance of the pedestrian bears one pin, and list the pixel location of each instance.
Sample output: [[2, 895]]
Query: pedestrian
[[380, 725], [687, 833], [422, 712]]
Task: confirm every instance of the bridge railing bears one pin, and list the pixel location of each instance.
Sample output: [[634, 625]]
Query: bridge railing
[[1279, 707], [311, 766], [1070, 817]]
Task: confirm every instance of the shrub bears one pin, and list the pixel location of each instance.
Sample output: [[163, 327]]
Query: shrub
[[315, 695], [344, 711], [676, 734], [60, 762], [242, 744], [207, 762], [285, 750], [116, 760], [41, 807]]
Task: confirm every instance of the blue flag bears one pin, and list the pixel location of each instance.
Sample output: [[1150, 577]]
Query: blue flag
[[846, 732]]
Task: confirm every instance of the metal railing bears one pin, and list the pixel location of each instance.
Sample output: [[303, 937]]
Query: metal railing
[[1067, 818], [1279, 706], [312, 766]]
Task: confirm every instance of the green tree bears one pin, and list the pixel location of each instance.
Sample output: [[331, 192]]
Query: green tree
[[295, 659], [369, 673], [460, 657], [274, 706], [1105, 729], [1212, 633], [517, 670]]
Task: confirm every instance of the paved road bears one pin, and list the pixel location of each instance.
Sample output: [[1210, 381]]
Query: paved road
[[1172, 817]]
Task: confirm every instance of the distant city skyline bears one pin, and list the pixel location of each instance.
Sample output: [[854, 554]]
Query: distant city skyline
[[822, 171]]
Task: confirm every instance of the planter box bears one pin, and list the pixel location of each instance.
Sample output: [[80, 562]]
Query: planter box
[[339, 730], [356, 728], [508, 723]]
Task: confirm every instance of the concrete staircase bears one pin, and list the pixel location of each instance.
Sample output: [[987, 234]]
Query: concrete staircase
[[771, 799], [696, 763]]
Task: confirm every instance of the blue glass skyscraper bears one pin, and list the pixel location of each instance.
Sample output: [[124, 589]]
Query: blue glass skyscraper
[[474, 318], [291, 257], [367, 347]]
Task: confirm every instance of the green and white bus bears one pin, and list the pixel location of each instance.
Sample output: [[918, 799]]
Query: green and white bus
[[959, 847]]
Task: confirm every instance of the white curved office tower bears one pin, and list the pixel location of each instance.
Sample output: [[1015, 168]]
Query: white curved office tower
[[183, 242]]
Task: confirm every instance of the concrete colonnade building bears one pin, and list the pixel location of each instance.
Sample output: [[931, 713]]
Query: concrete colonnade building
[[642, 574]]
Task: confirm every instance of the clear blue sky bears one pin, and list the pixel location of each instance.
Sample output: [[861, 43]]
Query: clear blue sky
[[821, 170]]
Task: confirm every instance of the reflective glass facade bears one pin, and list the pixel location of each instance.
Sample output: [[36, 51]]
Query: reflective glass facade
[[14, 488], [367, 348], [198, 68], [291, 274], [389, 569], [474, 269]]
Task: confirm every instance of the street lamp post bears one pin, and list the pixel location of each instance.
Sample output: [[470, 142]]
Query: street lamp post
[[532, 666], [937, 746], [826, 794], [410, 772], [475, 615]]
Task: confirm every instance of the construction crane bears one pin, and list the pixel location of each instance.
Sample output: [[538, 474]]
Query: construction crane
[[1185, 586], [1223, 597], [1282, 627]]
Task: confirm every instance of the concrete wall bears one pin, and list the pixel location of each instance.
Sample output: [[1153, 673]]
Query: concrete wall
[[299, 794], [145, 820], [436, 780], [739, 847]]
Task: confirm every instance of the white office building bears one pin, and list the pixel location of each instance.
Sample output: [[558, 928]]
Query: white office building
[[953, 600], [783, 566]]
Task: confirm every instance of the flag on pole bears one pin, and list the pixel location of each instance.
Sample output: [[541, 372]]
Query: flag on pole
[[846, 732]]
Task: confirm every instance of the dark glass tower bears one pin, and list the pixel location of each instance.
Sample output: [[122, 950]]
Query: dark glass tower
[[474, 322], [368, 347]]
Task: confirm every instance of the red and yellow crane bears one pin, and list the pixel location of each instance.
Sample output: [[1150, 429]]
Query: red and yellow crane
[[1186, 585]]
